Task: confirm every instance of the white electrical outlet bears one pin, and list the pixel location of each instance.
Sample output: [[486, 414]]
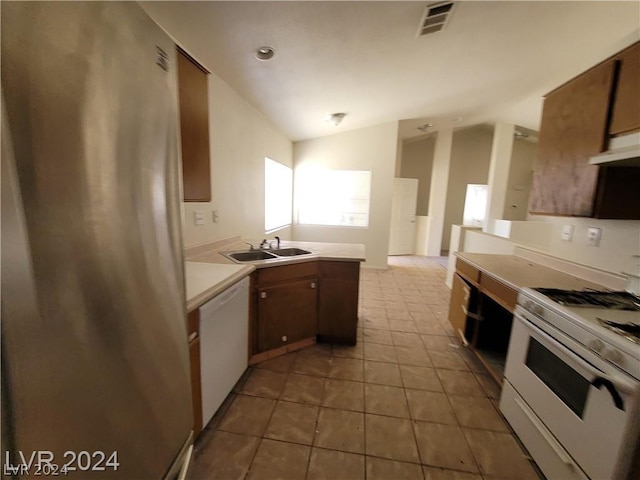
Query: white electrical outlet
[[593, 236], [198, 217], [567, 233]]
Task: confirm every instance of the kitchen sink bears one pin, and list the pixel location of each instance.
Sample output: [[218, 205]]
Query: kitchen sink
[[251, 256], [289, 252]]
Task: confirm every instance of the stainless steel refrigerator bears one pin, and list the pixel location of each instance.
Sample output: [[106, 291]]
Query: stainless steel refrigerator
[[94, 344]]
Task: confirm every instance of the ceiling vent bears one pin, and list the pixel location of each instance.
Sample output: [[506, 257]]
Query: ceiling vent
[[435, 17]]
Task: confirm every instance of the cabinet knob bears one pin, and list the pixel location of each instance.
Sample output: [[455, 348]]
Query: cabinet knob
[[313, 284], [284, 338], [263, 294]]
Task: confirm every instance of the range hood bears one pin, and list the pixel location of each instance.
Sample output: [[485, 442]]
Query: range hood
[[623, 152]]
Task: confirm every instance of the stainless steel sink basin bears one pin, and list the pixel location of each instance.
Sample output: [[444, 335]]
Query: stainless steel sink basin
[[251, 256], [289, 252]]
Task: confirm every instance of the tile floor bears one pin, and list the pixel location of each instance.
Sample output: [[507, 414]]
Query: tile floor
[[406, 402]]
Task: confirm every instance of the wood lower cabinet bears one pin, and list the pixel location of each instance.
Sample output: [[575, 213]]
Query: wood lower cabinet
[[193, 321], [287, 313], [338, 302], [284, 305], [459, 307]]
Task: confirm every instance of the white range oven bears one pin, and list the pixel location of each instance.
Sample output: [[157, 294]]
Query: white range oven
[[572, 382]]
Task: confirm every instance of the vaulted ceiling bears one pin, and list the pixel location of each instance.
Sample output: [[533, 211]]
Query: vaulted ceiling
[[494, 61]]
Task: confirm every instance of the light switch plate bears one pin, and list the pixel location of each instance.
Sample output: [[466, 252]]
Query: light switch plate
[[567, 233], [593, 236], [198, 217]]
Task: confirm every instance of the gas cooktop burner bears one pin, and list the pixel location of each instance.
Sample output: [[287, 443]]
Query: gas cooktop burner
[[629, 330], [593, 299]]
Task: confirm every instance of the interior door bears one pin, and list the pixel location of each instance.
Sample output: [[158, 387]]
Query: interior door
[[403, 216]]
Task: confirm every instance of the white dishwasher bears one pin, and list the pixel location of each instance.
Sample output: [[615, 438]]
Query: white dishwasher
[[224, 338]]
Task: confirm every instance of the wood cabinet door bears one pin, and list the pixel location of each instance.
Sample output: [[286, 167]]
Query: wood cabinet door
[[287, 312], [338, 302], [194, 129], [626, 106], [460, 296], [574, 128]]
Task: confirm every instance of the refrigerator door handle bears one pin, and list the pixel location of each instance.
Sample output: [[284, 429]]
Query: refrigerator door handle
[[186, 464]]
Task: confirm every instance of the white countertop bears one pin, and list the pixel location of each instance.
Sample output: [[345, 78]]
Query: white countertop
[[206, 280]]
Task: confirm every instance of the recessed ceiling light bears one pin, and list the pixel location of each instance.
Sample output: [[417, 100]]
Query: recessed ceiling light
[[335, 118], [265, 53]]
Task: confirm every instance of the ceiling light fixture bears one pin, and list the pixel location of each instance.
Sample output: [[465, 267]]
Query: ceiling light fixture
[[335, 118], [425, 127], [265, 53]]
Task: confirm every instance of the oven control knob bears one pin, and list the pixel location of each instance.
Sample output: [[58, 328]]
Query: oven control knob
[[538, 310], [596, 345], [614, 356]]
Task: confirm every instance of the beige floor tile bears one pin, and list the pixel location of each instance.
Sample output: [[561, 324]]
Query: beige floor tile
[[248, 415], [330, 464], [349, 351], [433, 473], [380, 353], [382, 469], [430, 327], [391, 438], [340, 430], [420, 378], [346, 369], [430, 407], [404, 339], [385, 400], [416, 356], [279, 460], [499, 455], [459, 383], [438, 342], [283, 363], [489, 385], [477, 412], [343, 394], [472, 361], [382, 337], [382, 373], [447, 359], [293, 422], [310, 364], [321, 349], [444, 446], [303, 388], [264, 383], [374, 323], [402, 325], [223, 455]]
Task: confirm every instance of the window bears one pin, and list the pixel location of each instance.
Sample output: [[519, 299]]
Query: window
[[333, 197], [475, 205], [278, 195]]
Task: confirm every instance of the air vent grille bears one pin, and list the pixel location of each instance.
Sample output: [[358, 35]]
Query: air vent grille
[[435, 17]]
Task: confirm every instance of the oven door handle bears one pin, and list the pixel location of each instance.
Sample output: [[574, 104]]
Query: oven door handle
[[599, 382]]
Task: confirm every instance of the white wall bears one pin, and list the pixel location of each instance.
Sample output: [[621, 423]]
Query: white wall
[[620, 240], [417, 162], [520, 177], [374, 149], [470, 156], [240, 138]]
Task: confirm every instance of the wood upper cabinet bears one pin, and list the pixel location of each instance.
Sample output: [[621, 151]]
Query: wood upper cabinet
[[194, 129], [573, 128], [578, 120], [338, 301], [626, 105]]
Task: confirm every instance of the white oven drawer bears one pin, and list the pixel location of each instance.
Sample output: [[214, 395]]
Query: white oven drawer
[[551, 458], [556, 385]]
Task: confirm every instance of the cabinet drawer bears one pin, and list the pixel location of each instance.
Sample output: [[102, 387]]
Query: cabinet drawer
[[286, 272], [467, 270], [501, 293]]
